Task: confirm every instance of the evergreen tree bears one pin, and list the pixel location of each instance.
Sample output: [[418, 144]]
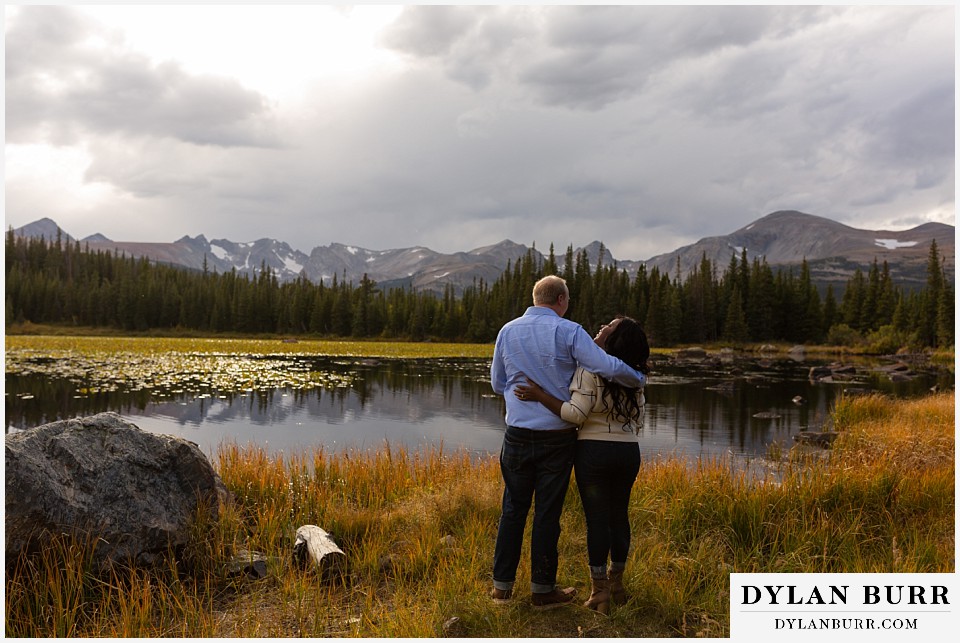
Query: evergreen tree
[[946, 320], [887, 300], [852, 304], [342, 310], [640, 294], [550, 267], [735, 327], [653, 321], [582, 303], [761, 307], [901, 314], [568, 267], [700, 303], [829, 311], [868, 313], [663, 320], [787, 314], [673, 313], [811, 313], [930, 302], [728, 282]]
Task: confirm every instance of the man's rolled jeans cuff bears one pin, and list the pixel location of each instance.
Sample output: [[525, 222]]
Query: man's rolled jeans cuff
[[540, 588], [505, 586]]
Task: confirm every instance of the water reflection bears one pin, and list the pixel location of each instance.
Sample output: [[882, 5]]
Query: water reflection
[[705, 407]]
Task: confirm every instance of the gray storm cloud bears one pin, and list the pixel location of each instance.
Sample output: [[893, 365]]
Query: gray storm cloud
[[59, 82], [645, 127]]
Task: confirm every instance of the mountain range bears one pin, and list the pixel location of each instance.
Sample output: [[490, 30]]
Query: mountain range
[[833, 252]]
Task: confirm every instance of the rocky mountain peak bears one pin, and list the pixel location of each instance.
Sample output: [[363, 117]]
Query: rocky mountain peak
[[831, 249], [46, 228], [95, 237], [594, 254], [783, 239]]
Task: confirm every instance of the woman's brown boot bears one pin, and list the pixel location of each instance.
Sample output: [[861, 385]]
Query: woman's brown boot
[[599, 596], [618, 595]]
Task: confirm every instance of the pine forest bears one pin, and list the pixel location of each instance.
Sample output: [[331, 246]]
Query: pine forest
[[52, 282]]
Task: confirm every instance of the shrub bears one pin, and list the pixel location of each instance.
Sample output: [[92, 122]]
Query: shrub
[[843, 335], [887, 340]]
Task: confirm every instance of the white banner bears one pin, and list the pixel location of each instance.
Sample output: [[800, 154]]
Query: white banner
[[844, 607]]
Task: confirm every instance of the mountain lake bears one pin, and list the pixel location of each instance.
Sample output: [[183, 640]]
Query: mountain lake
[[724, 404]]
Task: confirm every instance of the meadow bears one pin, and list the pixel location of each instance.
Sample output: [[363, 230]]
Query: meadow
[[418, 533]]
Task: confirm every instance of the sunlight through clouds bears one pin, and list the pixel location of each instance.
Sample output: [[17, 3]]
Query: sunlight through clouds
[[275, 50], [38, 167]]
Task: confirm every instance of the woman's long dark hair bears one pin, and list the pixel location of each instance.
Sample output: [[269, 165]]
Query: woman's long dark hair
[[629, 343]]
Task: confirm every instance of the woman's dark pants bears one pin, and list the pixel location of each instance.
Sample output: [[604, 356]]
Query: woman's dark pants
[[605, 473], [534, 464]]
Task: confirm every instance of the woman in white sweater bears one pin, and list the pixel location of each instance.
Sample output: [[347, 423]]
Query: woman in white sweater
[[608, 454]]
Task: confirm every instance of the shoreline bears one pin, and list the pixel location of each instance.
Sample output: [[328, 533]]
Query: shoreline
[[418, 534]]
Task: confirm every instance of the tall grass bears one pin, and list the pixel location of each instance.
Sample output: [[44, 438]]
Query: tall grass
[[418, 531]]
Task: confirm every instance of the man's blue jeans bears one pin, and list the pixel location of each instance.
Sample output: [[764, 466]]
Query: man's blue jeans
[[534, 464]]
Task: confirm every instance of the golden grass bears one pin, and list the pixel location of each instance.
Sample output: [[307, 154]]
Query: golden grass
[[418, 529], [53, 339], [243, 346]]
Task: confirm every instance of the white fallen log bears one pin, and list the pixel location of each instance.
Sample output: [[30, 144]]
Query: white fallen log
[[316, 545]]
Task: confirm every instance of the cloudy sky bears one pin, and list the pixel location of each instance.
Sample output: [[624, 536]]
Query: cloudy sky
[[646, 127]]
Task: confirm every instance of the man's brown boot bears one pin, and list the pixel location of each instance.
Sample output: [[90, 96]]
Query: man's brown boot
[[556, 598], [618, 595], [501, 596], [599, 596]]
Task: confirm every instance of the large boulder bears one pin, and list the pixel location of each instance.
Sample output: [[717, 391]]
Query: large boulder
[[137, 492]]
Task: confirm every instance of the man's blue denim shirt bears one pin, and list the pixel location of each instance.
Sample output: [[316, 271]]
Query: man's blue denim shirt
[[543, 347]]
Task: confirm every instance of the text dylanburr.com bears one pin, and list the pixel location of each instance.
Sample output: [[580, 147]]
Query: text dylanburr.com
[[844, 607]]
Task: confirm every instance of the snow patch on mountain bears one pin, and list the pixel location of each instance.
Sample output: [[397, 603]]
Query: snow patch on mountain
[[290, 264], [893, 244], [219, 252]]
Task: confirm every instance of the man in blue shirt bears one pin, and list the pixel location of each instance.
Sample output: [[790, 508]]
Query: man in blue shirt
[[538, 447]]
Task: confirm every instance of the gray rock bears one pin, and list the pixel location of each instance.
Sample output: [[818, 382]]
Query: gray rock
[[819, 372], [767, 415], [449, 541], [725, 388], [247, 564], [138, 493], [847, 369], [453, 627], [823, 439], [856, 390], [388, 564]]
